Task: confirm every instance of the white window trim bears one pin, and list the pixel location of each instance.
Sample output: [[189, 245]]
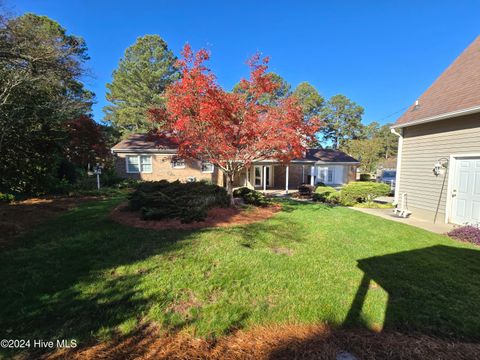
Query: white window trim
[[178, 167], [209, 171], [140, 169]]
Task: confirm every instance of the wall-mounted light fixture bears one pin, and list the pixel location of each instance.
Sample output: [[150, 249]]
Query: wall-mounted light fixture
[[440, 166]]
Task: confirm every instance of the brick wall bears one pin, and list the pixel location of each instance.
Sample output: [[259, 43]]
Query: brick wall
[[162, 170], [294, 176]]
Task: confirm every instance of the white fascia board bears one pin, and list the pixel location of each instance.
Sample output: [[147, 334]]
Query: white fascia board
[[472, 110]]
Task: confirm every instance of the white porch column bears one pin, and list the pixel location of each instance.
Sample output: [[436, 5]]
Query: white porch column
[[303, 174], [264, 179], [246, 177], [312, 175], [286, 180]]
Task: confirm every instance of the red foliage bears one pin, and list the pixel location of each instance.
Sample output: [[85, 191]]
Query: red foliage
[[86, 141], [231, 130]]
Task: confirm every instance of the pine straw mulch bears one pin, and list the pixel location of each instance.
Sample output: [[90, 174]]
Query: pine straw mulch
[[276, 342], [217, 217], [20, 216]]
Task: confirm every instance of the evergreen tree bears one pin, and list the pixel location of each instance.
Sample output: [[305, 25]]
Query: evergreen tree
[[343, 120], [138, 84]]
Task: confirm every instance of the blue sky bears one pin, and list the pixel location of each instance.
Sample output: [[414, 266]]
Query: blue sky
[[381, 54]]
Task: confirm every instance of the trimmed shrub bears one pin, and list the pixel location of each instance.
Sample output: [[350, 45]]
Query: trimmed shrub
[[467, 233], [322, 192], [252, 197], [175, 200], [333, 198], [365, 177], [6, 198], [360, 192], [306, 190]]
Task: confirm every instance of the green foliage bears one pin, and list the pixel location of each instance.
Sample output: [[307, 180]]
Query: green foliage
[[6, 198], [138, 84], [342, 119], [333, 198], [252, 197], [365, 177], [368, 151], [360, 192], [310, 100], [374, 205], [189, 202], [388, 141], [323, 192], [40, 71]]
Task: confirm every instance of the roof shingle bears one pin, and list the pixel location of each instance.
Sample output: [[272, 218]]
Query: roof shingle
[[146, 142], [457, 88], [327, 155]]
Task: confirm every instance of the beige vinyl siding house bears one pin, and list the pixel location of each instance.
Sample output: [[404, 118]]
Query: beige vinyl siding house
[[443, 128]]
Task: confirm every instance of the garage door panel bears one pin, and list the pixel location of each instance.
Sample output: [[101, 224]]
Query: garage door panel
[[475, 210], [476, 183], [463, 182]]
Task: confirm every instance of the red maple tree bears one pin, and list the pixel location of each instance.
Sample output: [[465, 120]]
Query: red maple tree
[[86, 142], [231, 130]]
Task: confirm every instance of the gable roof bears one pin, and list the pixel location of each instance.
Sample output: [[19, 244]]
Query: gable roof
[[455, 92], [139, 143], [327, 155], [144, 142]]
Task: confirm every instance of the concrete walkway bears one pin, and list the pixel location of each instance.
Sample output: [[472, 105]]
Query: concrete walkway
[[439, 227]]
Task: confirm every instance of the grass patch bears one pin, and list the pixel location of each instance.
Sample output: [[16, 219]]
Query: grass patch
[[374, 205], [85, 277]]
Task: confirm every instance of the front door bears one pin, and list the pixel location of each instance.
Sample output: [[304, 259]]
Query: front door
[[466, 191]]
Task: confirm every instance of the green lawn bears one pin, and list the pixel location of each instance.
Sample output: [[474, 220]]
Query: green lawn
[[83, 276]]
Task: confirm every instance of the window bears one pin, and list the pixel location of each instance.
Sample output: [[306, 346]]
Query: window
[[258, 175], [146, 164], [330, 176], [178, 163], [139, 164], [207, 167], [325, 175]]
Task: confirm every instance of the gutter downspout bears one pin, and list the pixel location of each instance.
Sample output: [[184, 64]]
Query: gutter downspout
[[399, 133]]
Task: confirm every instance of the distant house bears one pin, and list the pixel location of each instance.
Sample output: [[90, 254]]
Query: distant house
[[438, 167], [139, 157]]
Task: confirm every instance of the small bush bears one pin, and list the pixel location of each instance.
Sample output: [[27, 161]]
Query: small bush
[[169, 200], [467, 233], [360, 192], [6, 198], [365, 177], [322, 192], [333, 198], [306, 190], [252, 197]]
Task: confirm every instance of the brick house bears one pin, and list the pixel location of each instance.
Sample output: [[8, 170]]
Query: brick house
[[139, 157]]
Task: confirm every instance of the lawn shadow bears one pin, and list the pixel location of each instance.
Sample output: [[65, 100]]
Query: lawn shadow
[[61, 282], [434, 290], [431, 312]]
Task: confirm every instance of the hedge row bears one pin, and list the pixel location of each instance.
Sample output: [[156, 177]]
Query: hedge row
[[351, 194]]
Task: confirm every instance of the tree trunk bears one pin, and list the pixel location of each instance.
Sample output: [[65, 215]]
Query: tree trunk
[[230, 188]]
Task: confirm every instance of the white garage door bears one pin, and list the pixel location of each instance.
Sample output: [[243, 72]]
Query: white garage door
[[466, 192]]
